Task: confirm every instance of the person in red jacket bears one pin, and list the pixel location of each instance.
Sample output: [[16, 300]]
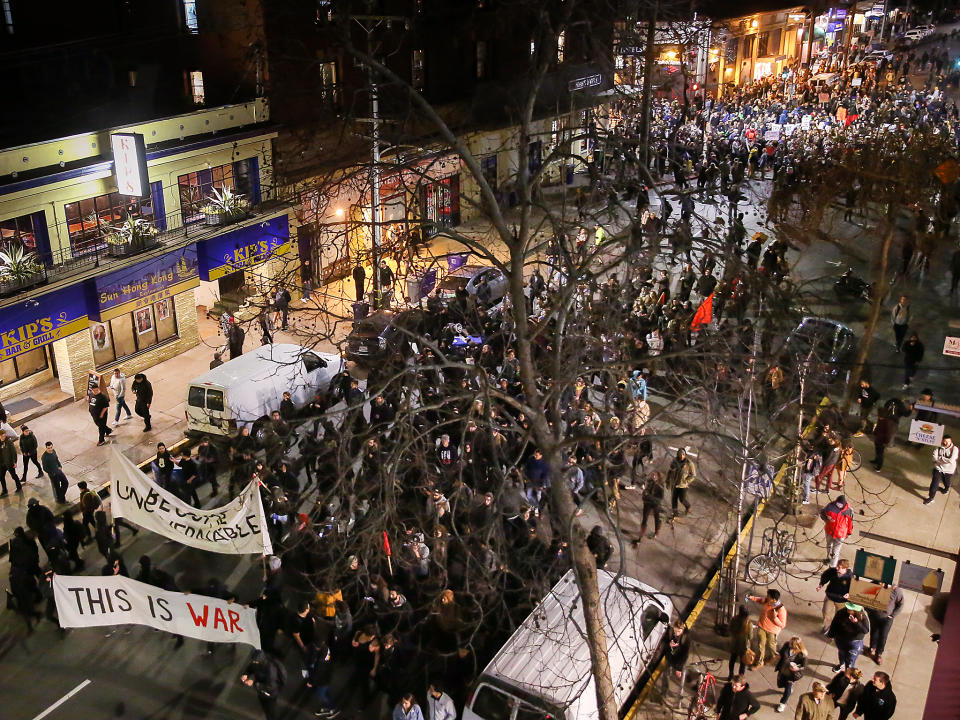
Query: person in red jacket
[[838, 524]]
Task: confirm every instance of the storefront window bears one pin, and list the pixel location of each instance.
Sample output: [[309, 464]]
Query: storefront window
[[21, 366], [90, 221], [134, 332], [18, 230]]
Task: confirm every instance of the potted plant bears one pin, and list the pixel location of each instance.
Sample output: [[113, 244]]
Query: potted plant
[[133, 236], [224, 207], [19, 268]]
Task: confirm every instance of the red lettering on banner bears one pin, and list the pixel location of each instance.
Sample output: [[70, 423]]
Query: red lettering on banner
[[234, 621], [219, 619], [199, 620]]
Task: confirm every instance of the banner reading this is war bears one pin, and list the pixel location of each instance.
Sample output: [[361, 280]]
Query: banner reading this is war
[[239, 527], [95, 601]]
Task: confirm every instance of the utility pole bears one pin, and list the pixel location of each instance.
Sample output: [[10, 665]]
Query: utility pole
[[370, 24], [647, 77]]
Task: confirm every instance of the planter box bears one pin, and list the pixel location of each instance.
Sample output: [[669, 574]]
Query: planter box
[[131, 248], [215, 218], [11, 287]]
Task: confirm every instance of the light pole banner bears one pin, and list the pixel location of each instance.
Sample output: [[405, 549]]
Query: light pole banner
[[239, 527], [95, 601]]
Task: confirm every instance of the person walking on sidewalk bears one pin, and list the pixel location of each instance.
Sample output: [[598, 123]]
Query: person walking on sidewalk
[[790, 664], [772, 620], [814, 705], [736, 702], [281, 301], [54, 470], [89, 504], [144, 391], [28, 448], [912, 355], [845, 688], [847, 630], [837, 582], [944, 466], [883, 434], [99, 409], [8, 463], [900, 319], [118, 384], [682, 472], [877, 701], [838, 525], [880, 623]]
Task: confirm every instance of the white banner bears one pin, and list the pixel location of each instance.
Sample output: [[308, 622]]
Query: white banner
[[925, 432], [239, 527], [94, 601]]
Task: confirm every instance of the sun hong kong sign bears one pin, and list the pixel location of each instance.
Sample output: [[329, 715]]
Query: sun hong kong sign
[[96, 601]]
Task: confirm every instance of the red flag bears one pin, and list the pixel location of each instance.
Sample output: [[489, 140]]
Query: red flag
[[704, 313], [386, 544]]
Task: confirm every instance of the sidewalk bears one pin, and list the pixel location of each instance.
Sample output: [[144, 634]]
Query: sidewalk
[[886, 505]]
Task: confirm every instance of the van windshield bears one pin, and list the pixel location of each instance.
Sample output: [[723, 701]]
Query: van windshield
[[491, 704], [195, 396]]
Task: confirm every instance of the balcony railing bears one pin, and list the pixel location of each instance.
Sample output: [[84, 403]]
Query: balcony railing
[[62, 264]]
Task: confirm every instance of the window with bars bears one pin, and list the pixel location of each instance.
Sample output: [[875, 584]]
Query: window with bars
[[90, 221], [18, 230], [195, 188]]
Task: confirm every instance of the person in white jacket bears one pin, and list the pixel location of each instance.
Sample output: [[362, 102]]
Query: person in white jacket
[[944, 466], [118, 385], [440, 705]]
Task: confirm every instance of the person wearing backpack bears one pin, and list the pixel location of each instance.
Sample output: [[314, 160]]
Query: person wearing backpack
[[267, 675]]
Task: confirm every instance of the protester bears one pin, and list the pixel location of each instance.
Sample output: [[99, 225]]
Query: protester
[[99, 410], [814, 705], [877, 701], [144, 391], [736, 701], [118, 385], [880, 623], [790, 664], [848, 628], [838, 526], [772, 620], [944, 466]]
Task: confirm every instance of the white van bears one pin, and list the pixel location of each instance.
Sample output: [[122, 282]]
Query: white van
[[543, 670], [244, 391]]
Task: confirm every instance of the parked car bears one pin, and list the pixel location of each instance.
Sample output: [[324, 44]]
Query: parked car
[[543, 671], [385, 334], [244, 391], [874, 57], [828, 345], [489, 285]]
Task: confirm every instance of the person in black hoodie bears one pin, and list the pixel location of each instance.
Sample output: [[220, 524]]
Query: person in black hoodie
[[736, 700], [847, 630], [877, 701], [144, 391]]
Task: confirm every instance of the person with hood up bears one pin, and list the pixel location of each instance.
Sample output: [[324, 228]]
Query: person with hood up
[[838, 525]]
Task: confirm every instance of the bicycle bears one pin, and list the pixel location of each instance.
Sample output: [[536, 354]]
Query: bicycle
[[704, 704], [777, 549]]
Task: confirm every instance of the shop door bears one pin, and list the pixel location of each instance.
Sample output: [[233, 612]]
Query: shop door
[[231, 287], [442, 204]]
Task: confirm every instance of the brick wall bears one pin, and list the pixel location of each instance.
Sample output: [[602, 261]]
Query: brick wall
[[75, 353]]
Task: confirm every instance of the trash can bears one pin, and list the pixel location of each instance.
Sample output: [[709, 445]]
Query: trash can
[[360, 310]]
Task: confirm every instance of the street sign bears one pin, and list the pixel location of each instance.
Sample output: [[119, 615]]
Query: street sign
[[925, 432], [921, 579], [588, 81], [951, 346], [868, 594]]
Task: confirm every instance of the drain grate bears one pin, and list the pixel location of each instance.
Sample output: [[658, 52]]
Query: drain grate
[[18, 406]]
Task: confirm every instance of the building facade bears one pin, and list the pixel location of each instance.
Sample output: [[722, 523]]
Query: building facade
[[93, 298]]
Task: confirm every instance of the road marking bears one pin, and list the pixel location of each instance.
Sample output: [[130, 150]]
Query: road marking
[[62, 700]]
